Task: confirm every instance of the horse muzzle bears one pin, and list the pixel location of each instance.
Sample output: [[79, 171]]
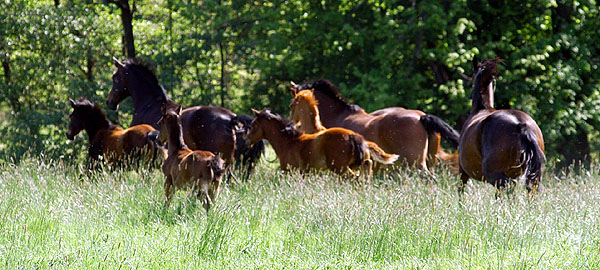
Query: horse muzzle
[[111, 105]]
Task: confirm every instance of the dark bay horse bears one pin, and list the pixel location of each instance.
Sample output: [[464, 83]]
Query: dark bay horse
[[336, 149], [411, 134], [111, 142], [498, 145], [199, 169], [208, 128]]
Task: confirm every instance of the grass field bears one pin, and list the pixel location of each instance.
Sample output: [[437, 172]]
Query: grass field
[[49, 218]]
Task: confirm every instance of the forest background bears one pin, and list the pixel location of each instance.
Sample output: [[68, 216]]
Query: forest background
[[243, 54]]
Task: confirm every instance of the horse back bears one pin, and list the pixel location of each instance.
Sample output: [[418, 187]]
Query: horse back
[[209, 128]]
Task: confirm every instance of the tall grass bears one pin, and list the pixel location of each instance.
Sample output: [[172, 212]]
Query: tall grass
[[53, 217]]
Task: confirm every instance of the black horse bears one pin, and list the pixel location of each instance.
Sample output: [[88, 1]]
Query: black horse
[[209, 128]]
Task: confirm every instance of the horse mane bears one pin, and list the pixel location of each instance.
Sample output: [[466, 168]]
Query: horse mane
[[146, 68], [329, 89], [289, 128]]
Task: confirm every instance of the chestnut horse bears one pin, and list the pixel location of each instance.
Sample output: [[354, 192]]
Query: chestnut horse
[[304, 110], [336, 149], [202, 170], [208, 128], [110, 141], [411, 134], [498, 145]]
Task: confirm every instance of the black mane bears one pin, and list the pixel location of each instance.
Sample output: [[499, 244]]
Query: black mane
[[327, 88], [146, 68], [289, 128]]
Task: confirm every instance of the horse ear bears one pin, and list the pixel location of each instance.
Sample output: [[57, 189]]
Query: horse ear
[[118, 63], [179, 110], [475, 63], [294, 85], [293, 92], [72, 102], [163, 109], [255, 112]]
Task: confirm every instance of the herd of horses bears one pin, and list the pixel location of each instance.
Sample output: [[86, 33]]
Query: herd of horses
[[198, 145]]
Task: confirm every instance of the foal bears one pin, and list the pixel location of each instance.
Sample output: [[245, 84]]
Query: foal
[[109, 140], [202, 170], [304, 110], [336, 149]]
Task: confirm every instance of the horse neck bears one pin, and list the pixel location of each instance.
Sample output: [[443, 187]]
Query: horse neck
[[311, 121], [482, 102], [96, 124], [145, 93], [332, 111], [278, 138], [175, 140]]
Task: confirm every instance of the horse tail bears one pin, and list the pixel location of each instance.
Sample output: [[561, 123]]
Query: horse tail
[[379, 155], [434, 124], [534, 157], [358, 150], [152, 139]]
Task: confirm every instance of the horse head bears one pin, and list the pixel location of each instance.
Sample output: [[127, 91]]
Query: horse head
[[86, 115], [168, 121], [256, 132], [120, 89], [484, 84]]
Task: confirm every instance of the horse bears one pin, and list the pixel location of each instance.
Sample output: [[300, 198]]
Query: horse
[[304, 110], [209, 128], [498, 145], [110, 141], [247, 155], [183, 167], [335, 149], [411, 134]]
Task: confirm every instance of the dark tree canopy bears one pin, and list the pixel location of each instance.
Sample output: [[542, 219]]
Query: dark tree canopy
[[242, 54]]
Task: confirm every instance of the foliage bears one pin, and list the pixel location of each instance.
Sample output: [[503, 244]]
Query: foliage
[[242, 54]]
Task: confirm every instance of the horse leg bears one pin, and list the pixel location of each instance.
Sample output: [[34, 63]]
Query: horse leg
[[169, 190], [533, 185], [464, 177], [207, 202], [368, 166], [499, 180]]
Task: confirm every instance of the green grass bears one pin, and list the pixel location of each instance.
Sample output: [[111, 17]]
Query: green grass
[[49, 218]]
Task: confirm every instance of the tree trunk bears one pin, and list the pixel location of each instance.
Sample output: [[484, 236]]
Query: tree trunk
[[89, 75], [126, 20], [13, 97], [221, 51]]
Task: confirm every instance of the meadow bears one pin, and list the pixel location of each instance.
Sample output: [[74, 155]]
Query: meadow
[[53, 218]]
